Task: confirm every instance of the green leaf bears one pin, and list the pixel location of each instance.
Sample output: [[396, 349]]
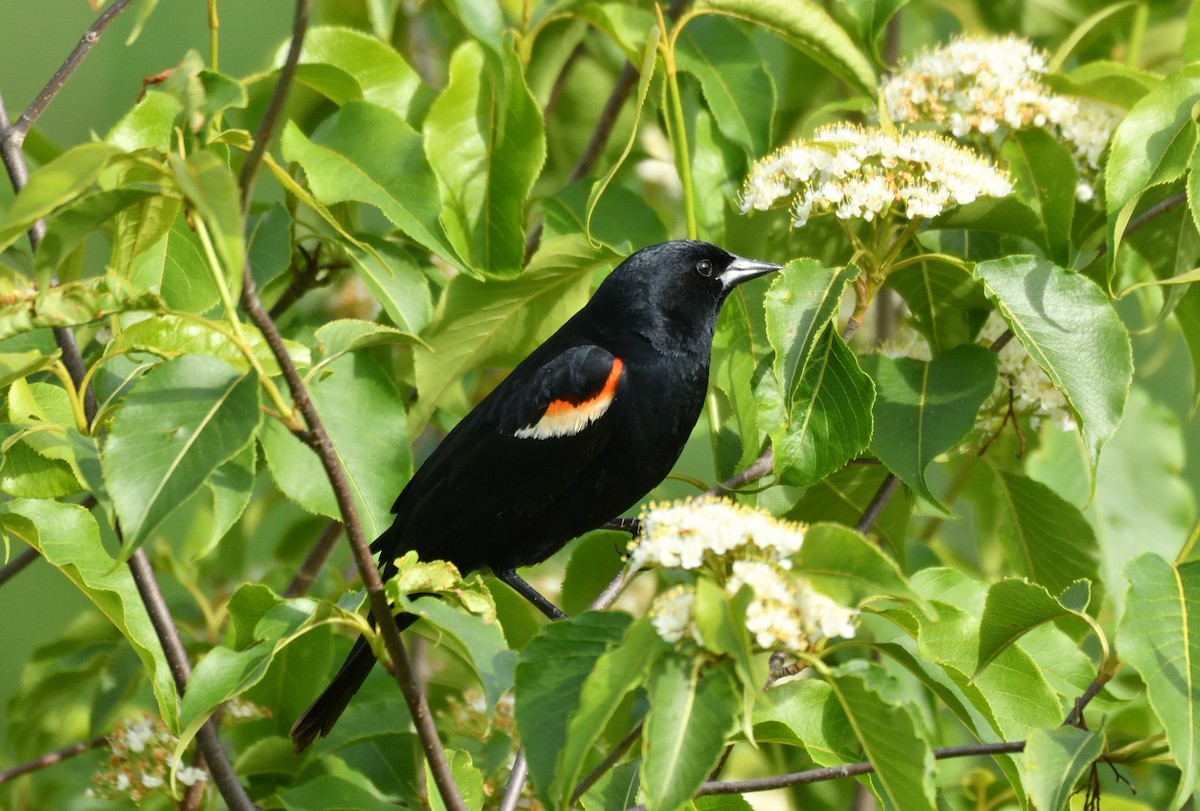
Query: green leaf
[[1015, 607], [174, 267], [171, 336], [395, 282], [371, 155], [830, 422], [946, 303], [621, 220], [720, 620], [72, 304], [1055, 760], [924, 409], [805, 712], [816, 404], [16, 365], [497, 323], [212, 190], [550, 677], [1159, 634], [890, 739], [802, 299], [25, 473], [53, 185], [73, 225], [692, 708], [646, 64], [224, 673], [346, 65], [617, 672], [354, 392], [845, 495], [736, 84], [1187, 315], [1045, 538], [148, 125], [1044, 178], [836, 556], [336, 338], [466, 777], [969, 704], [335, 792], [485, 140], [1151, 146], [183, 420], [807, 26], [479, 642], [229, 489], [1070, 329], [69, 539]]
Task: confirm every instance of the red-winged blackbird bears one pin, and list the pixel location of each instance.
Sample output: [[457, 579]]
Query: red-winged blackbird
[[579, 432]]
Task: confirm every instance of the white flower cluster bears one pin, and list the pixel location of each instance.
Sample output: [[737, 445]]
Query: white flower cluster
[[978, 84], [739, 546], [1033, 394], [139, 762], [858, 173]]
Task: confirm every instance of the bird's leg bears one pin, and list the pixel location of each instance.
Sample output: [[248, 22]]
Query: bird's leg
[[532, 595]]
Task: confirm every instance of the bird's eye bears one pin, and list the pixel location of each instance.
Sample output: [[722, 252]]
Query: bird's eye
[[704, 268]]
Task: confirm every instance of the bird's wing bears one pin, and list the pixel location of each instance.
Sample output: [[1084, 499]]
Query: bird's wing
[[561, 397], [510, 458]]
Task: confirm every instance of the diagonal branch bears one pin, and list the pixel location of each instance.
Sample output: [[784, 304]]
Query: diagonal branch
[[50, 759], [317, 438], [82, 48]]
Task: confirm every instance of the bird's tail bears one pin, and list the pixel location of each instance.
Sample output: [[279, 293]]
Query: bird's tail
[[322, 714]]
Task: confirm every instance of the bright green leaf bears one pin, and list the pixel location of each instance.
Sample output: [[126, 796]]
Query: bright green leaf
[[1071, 330], [369, 154], [354, 392], [1159, 634], [1015, 607], [1044, 178], [692, 708], [550, 677], [923, 409], [183, 420], [1055, 760], [485, 140], [347, 65], [807, 26], [73, 304], [67, 536]]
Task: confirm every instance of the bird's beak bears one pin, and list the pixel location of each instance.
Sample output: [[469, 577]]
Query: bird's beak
[[743, 270]]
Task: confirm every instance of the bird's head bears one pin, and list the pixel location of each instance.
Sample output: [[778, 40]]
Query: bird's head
[[676, 288]]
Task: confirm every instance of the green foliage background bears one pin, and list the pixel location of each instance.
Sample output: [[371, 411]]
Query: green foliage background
[[994, 589]]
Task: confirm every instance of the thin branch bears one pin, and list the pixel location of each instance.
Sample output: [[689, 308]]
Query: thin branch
[[846, 770], [266, 127], [516, 782], [317, 557], [318, 439], [78, 54], [207, 739], [878, 503], [50, 759], [604, 125], [18, 565], [1156, 210], [609, 761], [758, 469]]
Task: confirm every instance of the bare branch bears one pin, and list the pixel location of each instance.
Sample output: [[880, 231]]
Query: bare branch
[[18, 565], [89, 39], [878, 503], [317, 556], [266, 127], [50, 759]]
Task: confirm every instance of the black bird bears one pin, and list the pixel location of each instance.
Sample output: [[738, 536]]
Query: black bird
[[580, 431]]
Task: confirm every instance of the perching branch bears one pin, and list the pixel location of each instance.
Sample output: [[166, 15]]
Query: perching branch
[[317, 438]]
